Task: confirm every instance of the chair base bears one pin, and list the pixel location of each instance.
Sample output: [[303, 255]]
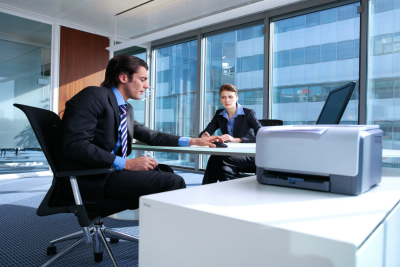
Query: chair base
[[99, 233]]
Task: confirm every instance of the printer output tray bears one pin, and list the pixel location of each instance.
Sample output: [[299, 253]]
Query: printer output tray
[[304, 181]]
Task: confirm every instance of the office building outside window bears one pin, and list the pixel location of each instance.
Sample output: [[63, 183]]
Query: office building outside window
[[383, 91], [313, 54], [139, 106], [25, 61], [175, 94], [235, 57]]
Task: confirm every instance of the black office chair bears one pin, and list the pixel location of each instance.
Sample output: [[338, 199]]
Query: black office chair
[[47, 128], [240, 173]]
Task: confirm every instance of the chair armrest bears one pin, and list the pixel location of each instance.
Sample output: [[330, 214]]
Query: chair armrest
[[85, 172]]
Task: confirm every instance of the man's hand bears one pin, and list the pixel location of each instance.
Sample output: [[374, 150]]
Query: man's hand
[[228, 138], [205, 134], [205, 141], [140, 164]]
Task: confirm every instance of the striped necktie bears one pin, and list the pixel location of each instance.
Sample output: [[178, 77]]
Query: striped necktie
[[124, 132]]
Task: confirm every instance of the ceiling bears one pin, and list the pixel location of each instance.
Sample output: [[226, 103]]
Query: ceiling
[[147, 18]]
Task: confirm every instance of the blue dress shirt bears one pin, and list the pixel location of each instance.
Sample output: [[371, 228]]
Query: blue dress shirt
[[119, 162], [224, 113]]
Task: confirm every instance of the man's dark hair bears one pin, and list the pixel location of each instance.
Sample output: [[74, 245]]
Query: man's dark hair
[[122, 64]]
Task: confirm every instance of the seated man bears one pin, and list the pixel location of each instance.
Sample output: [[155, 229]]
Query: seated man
[[98, 128]]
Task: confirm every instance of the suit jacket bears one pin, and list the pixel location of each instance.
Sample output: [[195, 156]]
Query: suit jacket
[[90, 132], [246, 126]]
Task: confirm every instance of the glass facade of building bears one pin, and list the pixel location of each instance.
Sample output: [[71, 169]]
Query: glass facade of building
[[139, 106], [175, 94], [235, 57], [383, 91], [311, 55], [25, 60]]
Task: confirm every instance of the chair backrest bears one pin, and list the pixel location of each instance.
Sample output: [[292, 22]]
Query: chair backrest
[[47, 127], [270, 122]]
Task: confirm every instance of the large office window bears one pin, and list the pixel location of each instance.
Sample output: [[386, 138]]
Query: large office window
[[313, 54], [175, 94], [235, 57], [139, 105], [25, 60], [310, 55], [383, 97]]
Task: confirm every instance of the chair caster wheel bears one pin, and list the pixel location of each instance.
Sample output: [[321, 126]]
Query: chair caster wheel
[[51, 250], [114, 240], [98, 257]]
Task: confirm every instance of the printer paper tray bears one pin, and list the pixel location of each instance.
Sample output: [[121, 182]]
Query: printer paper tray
[[320, 186]]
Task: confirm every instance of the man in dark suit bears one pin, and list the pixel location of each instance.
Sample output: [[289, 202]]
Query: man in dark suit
[[99, 127]]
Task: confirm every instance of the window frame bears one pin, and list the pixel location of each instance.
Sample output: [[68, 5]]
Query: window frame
[[287, 11]]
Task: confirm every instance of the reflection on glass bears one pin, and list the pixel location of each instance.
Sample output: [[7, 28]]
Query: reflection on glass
[[346, 12], [328, 52], [383, 5], [312, 19], [310, 61], [383, 44], [139, 105], [312, 54], [383, 97], [314, 94], [297, 56], [24, 79], [176, 84], [345, 50], [240, 62], [328, 16], [298, 22]]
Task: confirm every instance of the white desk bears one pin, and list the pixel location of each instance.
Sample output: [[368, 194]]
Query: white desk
[[242, 149], [243, 223], [390, 153], [239, 149]]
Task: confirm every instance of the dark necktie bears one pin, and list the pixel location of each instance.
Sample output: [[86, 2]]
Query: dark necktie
[[124, 132]]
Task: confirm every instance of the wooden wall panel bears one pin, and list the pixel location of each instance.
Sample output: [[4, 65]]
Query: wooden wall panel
[[83, 62]]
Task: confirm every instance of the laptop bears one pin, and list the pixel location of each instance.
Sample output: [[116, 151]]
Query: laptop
[[336, 104]]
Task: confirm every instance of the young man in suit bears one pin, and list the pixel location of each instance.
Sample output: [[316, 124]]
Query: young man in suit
[[98, 130]]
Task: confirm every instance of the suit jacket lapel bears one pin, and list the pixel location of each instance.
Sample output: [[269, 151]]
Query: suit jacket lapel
[[223, 124], [237, 125], [114, 104]]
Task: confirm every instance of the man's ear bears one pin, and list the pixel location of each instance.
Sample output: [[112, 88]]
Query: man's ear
[[123, 78]]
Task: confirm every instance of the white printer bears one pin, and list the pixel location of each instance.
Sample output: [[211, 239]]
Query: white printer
[[343, 159]]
